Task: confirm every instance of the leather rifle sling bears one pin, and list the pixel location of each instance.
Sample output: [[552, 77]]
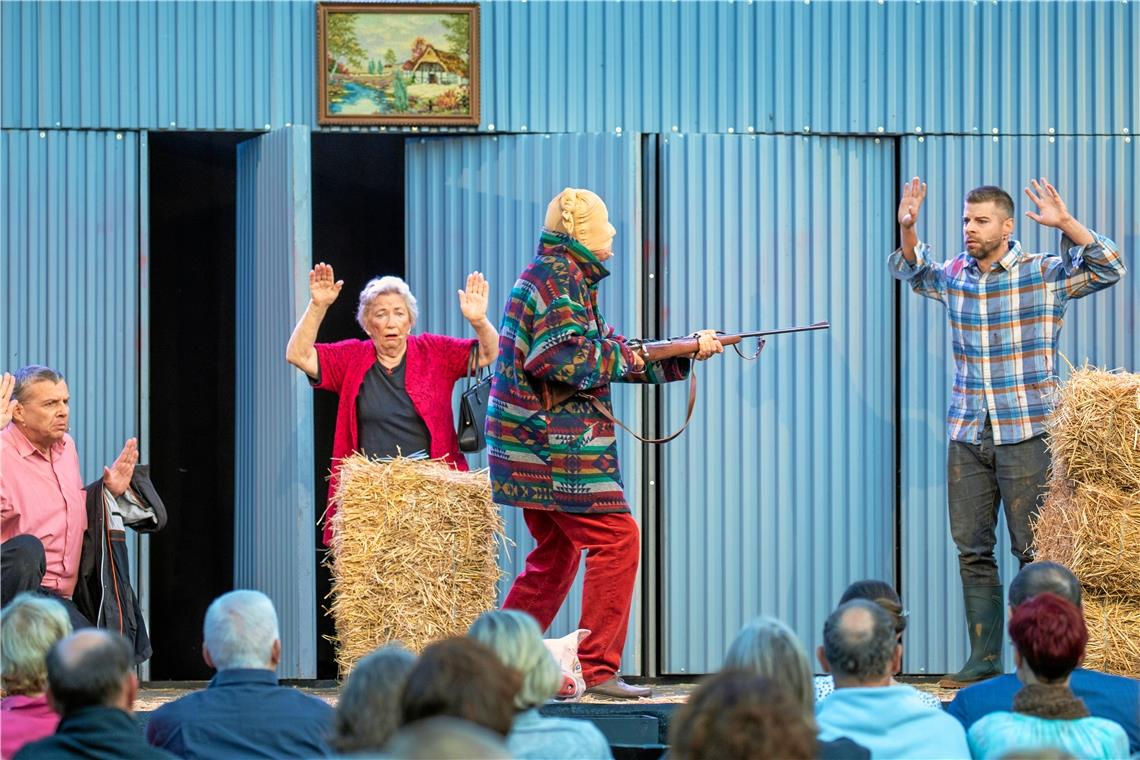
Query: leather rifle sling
[[601, 409]]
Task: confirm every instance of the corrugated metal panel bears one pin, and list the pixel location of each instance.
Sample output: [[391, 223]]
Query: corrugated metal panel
[[71, 276], [852, 67], [1097, 177], [274, 548], [158, 65], [780, 493], [478, 203]]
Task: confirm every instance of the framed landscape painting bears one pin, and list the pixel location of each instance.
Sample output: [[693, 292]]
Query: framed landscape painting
[[397, 64]]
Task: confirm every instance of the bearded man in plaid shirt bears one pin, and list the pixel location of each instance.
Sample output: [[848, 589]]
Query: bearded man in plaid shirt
[[1005, 307]]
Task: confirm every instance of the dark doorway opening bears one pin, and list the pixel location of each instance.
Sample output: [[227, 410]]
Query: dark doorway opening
[[358, 228], [192, 183]]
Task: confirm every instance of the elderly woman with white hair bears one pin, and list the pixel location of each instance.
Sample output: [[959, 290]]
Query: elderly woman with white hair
[[29, 626], [394, 387], [516, 640]]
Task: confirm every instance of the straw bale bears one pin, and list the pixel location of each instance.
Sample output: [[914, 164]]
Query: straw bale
[[1114, 634], [414, 553], [1094, 531], [1095, 428]]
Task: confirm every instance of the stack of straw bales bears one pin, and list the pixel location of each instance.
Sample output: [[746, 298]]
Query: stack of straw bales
[[413, 554], [1090, 521]]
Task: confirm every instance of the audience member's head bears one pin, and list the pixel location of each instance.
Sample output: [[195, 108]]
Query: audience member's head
[[444, 738], [514, 636], [860, 647], [1039, 577], [737, 713], [241, 632], [1049, 635], [91, 668], [768, 648], [461, 678], [29, 625], [368, 711], [882, 594]]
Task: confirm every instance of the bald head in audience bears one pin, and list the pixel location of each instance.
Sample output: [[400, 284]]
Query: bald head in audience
[[860, 647], [91, 668], [1040, 577]]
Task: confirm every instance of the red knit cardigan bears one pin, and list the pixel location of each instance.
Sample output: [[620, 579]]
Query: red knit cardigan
[[433, 364]]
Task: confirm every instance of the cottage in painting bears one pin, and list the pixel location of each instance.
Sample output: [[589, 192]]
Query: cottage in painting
[[433, 66]]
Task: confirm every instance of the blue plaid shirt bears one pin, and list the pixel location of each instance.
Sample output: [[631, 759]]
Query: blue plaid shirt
[[1005, 324]]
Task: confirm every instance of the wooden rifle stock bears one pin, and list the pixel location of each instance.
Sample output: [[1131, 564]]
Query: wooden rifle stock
[[671, 348]]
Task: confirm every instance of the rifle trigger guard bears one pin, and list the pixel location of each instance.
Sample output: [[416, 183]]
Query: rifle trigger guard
[[759, 348]]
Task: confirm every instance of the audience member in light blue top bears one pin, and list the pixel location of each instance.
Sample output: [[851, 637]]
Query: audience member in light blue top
[[515, 638], [1049, 637], [862, 652]]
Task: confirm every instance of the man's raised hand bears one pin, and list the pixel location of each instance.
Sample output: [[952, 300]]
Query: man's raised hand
[[117, 477], [914, 193], [323, 287], [7, 403]]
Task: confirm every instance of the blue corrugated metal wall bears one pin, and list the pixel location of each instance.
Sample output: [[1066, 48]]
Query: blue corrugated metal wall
[[1097, 177], [655, 67], [274, 516], [781, 491], [71, 276], [478, 203]]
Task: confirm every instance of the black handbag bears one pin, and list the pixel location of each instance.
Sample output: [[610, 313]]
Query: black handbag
[[473, 404]]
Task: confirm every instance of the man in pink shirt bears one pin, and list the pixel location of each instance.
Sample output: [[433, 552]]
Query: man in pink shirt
[[43, 510]]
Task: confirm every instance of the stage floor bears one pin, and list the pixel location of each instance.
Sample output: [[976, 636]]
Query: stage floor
[[154, 695]]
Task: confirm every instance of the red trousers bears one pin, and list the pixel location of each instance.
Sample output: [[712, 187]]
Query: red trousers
[[613, 550]]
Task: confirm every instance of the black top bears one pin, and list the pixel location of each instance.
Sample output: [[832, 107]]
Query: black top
[[388, 423], [100, 733]]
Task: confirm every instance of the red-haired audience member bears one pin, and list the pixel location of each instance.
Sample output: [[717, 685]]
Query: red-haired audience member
[[443, 738], [884, 595], [461, 678], [368, 711], [1049, 637], [770, 649], [92, 685], [29, 626], [861, 650], [738, 714], [1105, 695], [516, 640]]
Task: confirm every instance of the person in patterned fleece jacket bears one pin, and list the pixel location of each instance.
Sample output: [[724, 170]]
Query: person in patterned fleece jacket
[[560, 464]]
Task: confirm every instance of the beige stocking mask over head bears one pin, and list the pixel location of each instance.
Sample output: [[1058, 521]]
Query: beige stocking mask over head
[[583, 216]]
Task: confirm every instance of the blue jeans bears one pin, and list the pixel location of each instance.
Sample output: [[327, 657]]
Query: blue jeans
[[978, 476]]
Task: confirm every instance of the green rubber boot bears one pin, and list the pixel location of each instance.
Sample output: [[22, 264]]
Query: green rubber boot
[[984, 618]]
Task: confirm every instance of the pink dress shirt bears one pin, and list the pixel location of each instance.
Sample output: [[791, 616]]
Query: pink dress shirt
[[44, 498], [24, 720]]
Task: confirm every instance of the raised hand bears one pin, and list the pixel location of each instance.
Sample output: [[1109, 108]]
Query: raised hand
[[7, 403], [473, 299], [323, 288], [914, 193], [1051, 210], [117, 477]]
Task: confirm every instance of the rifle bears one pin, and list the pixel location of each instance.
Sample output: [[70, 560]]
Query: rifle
[[552, 393], [670, 348]]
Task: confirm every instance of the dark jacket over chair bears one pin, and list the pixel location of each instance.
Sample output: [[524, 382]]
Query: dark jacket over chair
[[99, 733], [103, 592], [243, 713]]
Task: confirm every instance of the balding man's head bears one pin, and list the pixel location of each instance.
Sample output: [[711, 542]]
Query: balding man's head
[[91, 668], [859, 643], [1041, 577]]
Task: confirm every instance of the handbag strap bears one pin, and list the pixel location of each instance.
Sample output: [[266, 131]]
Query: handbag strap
[[601, 409], [473, 369]]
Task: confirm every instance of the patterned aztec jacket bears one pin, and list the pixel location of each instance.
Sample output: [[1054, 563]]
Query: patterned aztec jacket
[[564, 459]]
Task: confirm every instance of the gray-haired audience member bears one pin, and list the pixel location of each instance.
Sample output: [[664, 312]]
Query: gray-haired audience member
[[92, 685], [860, 649], [368, 710], [768, 648], [1106, 696], [243, 712], [29, 626], [446, 738], [516, 640]]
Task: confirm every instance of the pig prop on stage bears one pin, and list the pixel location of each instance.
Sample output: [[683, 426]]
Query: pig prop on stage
[[565, 652]]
